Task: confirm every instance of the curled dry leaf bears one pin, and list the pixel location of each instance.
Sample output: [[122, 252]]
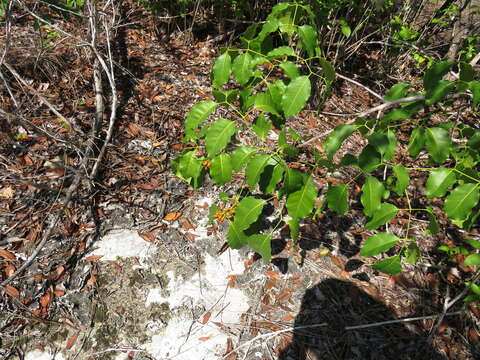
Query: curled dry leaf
[[206, 317], [172, 216], [9, 270], [10, 290], [91, 281], [45, 299], [71, 341], [93, 258], [7, 254]]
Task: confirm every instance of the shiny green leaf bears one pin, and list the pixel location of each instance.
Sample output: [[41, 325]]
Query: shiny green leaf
[[218, 135], [438, 182], [196, 115], [337, 198], [381, 216], [391, 265], [336, 138], [371, 196], [300, 203], [222, 70], [242, 69], [221, 169], [378, 243], [461, 201], [296, 95], [438, 143]]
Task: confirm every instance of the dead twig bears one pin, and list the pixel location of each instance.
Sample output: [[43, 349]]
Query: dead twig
[[358, 84]]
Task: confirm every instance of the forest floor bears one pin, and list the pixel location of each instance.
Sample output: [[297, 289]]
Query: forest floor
[[133, 269]]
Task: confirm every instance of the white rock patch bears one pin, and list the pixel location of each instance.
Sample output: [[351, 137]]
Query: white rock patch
[[121, 243]]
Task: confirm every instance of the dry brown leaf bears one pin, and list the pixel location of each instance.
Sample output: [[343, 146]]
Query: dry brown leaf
[[205, 338], [145, 186], [473, 334], [148, 236], [272, 274], [229, 355], [177, 147], [118, 268], [7, 192], [287, 318], [93, 258], [187, 225], [91, 280], [9, 270], [45, 299], [7, 254], [59, 292], [10, 290], [71, 341], [206, 317], [172, 216]]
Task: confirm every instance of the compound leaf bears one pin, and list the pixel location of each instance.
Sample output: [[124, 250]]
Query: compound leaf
[[242, 69], [221, 169], [255, 167], [296, 95], [439, 144], [381, 216], [336, 138], [461, 201], [300, 203], [218, 136], [378, 243], [391, 265], [196, 115], [438, 182], [222, 70], [261, 244], [337, 198], [372, 195]]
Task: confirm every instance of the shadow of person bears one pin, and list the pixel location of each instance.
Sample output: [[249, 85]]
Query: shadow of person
[[332, 306]]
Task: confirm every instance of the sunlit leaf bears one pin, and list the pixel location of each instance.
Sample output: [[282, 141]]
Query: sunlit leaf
[[378, 243], [300, 203], [222, 70], [196, 115], [308, 35], [397, 91], [261, 244], [221, 169], [438, 182], [461, 201], [241, 155], [381, 216], [336, 138], [439, 144], [337, 198], [296, 95], [218, 135], [242, 69], [371, 196], [391, 265], [255, 167], [416, 142], [262, 126]]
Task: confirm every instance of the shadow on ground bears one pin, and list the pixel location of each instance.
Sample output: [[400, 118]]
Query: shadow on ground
[[338, 304]]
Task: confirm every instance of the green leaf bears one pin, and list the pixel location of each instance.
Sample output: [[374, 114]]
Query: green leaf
[[434, 74], [416, 142], [296, 95], [222, 70], [189, 168], [240, 156], [467, 73], [248, 211], [264, 102], [242, 69], [218, 136], [300, 203], [236, 237], [276, 91], [196, 115], [329, 74], [371, 196], [438, 182], [262, 126], [255, 167], [461, 201], [293, 180], [384, 143], [391, 265], [473, 243], [442, 89], [346, 30], [294, 227], [369, 159], [291, 69], [308, 35], [412, 254], [433, 226], [397, 91], [381, 216], [472, 260], [261, 244], [228, 96], [396, 114], [378, 243], [270, 177], [403, 179], [439, 144], [336, 138], [281, 52], [474, 141], [475, 88], [221, 169], [337, 198]]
